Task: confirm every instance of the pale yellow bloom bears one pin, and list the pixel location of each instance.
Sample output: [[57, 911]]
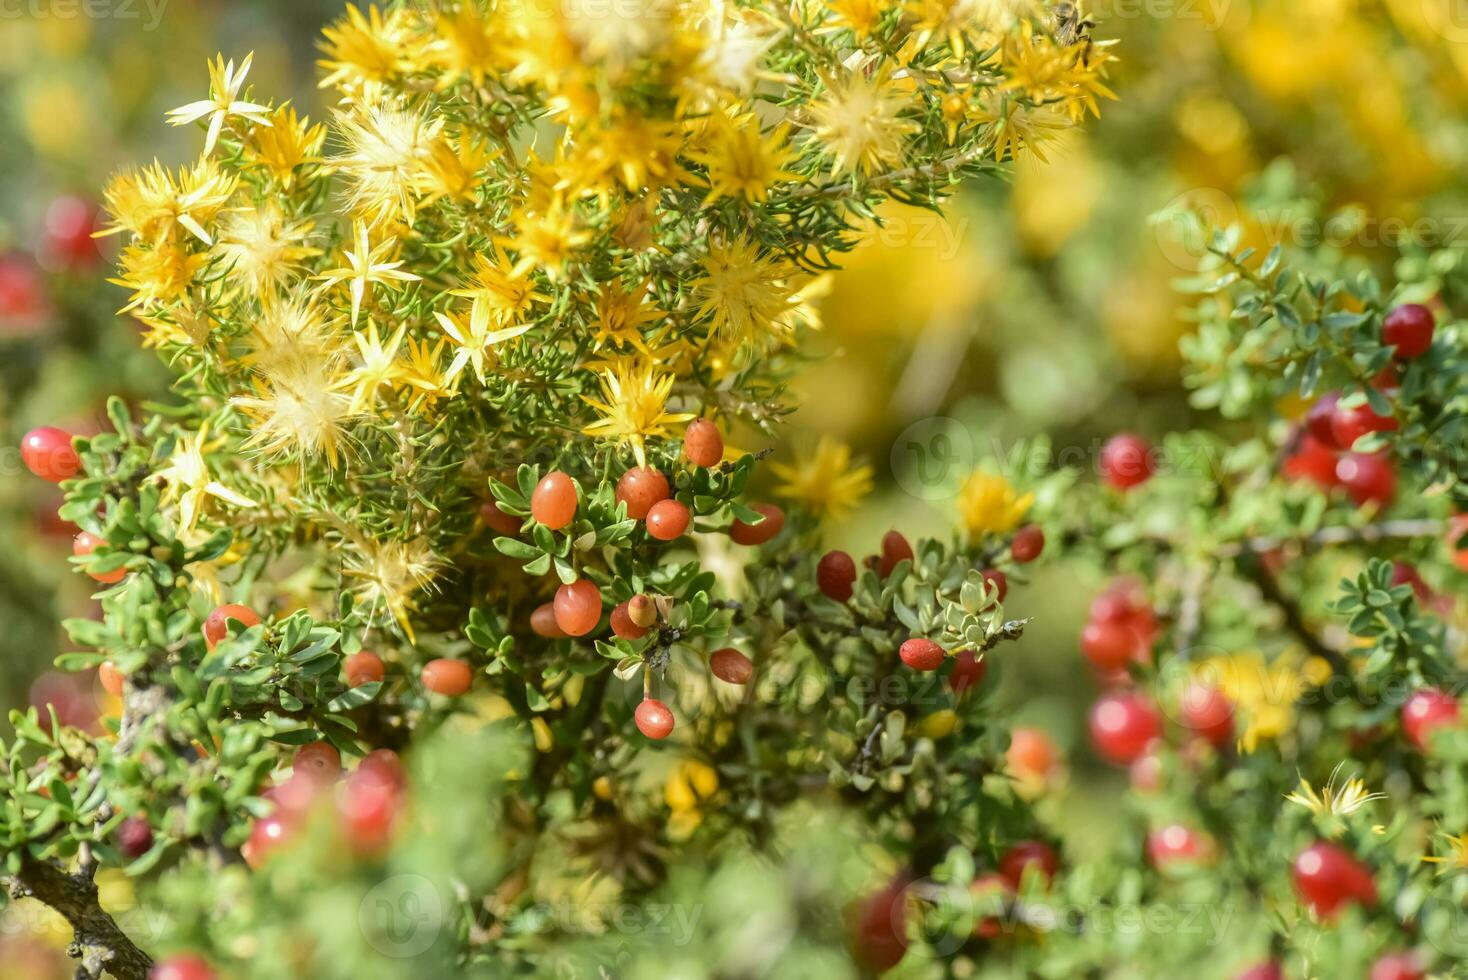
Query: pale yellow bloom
[[366, 265], [1339, 801], [223, 101], [475, 337], [187, 480]]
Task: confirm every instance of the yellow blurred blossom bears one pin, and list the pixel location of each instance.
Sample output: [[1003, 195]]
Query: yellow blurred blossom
[[988, 504], [824, 480]]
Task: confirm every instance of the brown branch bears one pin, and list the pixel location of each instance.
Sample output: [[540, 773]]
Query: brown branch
[[1327, 536], [98, 942], [1255, 571]]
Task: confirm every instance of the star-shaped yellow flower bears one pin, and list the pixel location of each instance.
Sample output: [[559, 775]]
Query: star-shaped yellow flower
[[188, 481], [367, 264], [224, 86]]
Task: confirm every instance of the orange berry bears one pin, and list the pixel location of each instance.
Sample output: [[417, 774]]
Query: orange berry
[[702, 443], [554, 501], [363, 667], [730, 665], [654, 719], [319, 760], [216, 626], [112, 679], [578, 607], [641, 610], [1031, 753], [83, 545], [497, 520], [543, 622], [640, 488], [623, 626], [447, 677], [922, 654], [667, 520], [752, 534]]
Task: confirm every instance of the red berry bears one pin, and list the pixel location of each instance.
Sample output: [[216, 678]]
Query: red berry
[[1349, 424], [1404, 573], [667, 520], [318, 760], [382, 765], [1326, 878], [1398, 966], [1145, 774], [998, 581], [640, 488], [1025, 855], [83, 545], [1028, 542], [895, 548], [836, 575], [989, 890], [47, 452], [1031, 754], [1427, 710], [183, 967], [368, 807], [968, 671], [1126, 461], [267, 834], [1320, 419], [70, 222], [216, 625], [1409, 329], [578, 607], [623, 626], [507, 525], [1176, 843], [1312, 460], [134, 837], [730, 665], [879, 927], [553, 503], [654, 719], [1367, 479], [1268, 970], [765, 530], [1123, 726], [363, 667], [702, 443], [543, 622], [1109, 646], [1208, 712], [450, 678], [112, 679], [922, 654]]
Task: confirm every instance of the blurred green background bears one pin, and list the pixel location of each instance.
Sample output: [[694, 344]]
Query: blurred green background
[[1038, 305]]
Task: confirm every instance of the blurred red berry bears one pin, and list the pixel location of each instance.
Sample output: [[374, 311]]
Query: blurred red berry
[[1021, 857], [318, 760], [216, 625], [765, 530], [836, 575], [1349, 424], [1123, 726], [47, 452], [1367, 479], [731, 666], [1126, 461], [1409, 329], [1326, 878], [969, 670], [895, 548], [363, 667], [922, 654], [447, 677], [134, 837], [183, 967], [1427, 710], [1028, 543]]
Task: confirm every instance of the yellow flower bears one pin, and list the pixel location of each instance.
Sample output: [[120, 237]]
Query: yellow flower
[[743, 163], [1263, 692], [824, 481], [390, 574], [379, 367], [1456, 858], [745, 294], [151, 205], [544, 239], [451, 168], [299, 408], [223, 101], [857, 16], [367, 265], [634, 407], [858, 123], [290, 141], [620, 316], [467, 44], [363, 51], [422, 373], [637, 153], [687, 787], [987, 504], [263, 248], [187, 479], [509, 296], [475, 337], [388, 153], [290, 333], [157, 276], [1333, 800]]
